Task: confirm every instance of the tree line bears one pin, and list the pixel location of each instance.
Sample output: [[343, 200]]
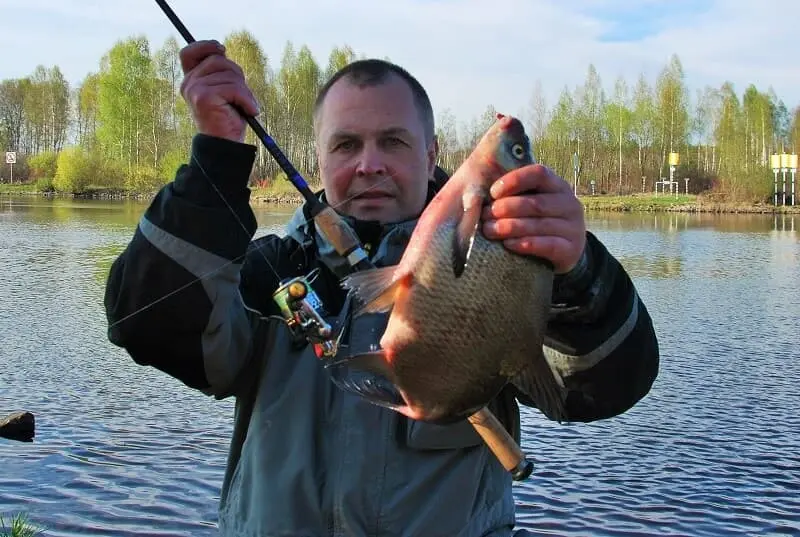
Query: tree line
[[126, 127]]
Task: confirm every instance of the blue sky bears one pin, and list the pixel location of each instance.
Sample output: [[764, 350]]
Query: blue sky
[[635, 21], [468, 53]]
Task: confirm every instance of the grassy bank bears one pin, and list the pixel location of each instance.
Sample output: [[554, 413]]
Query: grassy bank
[[681, 203], [279, 193], [20, 189], [19, 526], [90, 192], [283, 193]]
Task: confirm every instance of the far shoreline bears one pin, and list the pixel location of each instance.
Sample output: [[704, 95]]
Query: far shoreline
[[632, 203]]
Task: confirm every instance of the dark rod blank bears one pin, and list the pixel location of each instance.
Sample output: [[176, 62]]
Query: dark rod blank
[[291, 172]]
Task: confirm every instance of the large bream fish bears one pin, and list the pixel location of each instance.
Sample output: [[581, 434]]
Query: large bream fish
[[467, 315]]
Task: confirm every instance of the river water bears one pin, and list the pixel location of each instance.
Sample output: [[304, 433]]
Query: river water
[[714, 449]]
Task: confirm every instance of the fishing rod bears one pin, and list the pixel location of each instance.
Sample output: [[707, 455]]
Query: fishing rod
[[338, 233], [299, 302]]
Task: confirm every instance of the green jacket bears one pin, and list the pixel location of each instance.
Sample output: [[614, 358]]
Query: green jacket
[[307, 458]]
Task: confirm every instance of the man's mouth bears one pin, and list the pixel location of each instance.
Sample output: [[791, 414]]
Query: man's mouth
[[373, 194]]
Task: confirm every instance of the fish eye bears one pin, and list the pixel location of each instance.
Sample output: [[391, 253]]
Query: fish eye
[[518, 151]]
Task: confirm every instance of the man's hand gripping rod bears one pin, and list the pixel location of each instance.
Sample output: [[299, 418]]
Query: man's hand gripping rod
[[347, 245]]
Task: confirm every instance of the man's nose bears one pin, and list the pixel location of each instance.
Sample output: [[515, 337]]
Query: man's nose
[[371, 161]]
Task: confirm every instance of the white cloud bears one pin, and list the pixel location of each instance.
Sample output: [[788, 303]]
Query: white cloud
[[468, 53]]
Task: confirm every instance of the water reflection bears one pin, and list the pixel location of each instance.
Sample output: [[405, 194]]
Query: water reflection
[[675, 222], [59, 211], [126, 213], [654, 266], [110, 215]]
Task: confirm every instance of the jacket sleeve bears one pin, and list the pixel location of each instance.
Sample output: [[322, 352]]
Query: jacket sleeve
[[600, 338], [173, 298]]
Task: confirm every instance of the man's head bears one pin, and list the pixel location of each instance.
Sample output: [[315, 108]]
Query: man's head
[[375, 141]]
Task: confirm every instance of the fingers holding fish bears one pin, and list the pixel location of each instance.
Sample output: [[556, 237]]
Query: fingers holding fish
[[533, 178], [554, 249], [548, 238], [520, 227], [536, 213], [559, 240], [532, 205]]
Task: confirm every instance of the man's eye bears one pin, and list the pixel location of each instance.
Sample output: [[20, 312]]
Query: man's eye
[[394, 141], [347, 145]]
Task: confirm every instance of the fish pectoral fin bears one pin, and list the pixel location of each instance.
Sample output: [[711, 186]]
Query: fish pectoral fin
[[539, 382], [376, 288], [464, 237], [373, 362]]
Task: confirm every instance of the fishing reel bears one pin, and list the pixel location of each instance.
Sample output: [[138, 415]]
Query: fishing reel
[[303, 312]]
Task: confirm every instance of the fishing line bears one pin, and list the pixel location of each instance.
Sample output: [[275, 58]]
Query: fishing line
[[240, 257]]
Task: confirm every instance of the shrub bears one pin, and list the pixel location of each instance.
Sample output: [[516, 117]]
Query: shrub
[[45, 184], [73, 170], [170, 162], [42, 165]]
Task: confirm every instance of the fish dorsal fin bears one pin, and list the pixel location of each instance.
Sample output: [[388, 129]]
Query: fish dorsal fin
[[464, 237], [374, 288]]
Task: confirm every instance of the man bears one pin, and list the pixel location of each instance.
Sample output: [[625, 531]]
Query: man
[[192, 296]]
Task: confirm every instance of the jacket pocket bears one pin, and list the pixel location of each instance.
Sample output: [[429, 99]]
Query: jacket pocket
[[426, 436]]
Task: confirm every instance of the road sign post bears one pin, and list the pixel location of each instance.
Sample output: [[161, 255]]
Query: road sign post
[[11, 159]]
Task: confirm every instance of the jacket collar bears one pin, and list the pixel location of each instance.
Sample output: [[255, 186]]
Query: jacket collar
[[391, 238]]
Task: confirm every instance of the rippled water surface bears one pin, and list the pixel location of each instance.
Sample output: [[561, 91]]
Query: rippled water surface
[[714, 449]]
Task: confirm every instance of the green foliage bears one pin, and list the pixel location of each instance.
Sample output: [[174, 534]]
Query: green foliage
[[73, 170], [20, 527], [45, 109], [125, 88], [42, 165], [45, 184], [86, 110], [170, 162], [144, 179], [77, 169], [754, 187]]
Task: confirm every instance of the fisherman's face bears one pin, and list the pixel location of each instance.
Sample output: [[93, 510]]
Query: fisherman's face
[[373, 157]]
